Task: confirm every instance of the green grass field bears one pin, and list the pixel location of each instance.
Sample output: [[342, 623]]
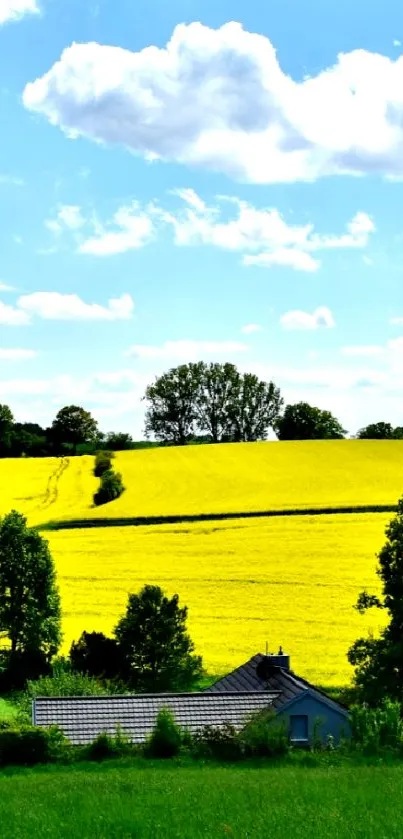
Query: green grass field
[[202, 802]]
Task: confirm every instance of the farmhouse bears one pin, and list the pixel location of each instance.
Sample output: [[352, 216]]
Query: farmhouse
[[264, 682]]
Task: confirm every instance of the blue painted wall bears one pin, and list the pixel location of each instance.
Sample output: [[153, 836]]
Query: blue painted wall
[[333, 722]]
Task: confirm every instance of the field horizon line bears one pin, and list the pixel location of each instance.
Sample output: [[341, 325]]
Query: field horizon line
[[144, 521]]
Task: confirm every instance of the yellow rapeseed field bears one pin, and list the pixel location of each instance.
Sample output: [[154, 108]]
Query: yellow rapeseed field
[[292, 581], [210, 479]]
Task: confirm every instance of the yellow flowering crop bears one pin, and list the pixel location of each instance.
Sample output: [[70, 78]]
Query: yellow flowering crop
[[290, 581]]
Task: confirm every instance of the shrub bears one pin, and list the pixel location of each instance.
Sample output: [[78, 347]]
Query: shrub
[[218, 742], [373, 729], [28, 745], [166, 738], [264, 736], [96, 655], [106, 746], [17, 668], [103, 462], [63, 682], [111, 488]]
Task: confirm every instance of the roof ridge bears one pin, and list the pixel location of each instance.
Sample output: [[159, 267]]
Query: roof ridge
[[203, 694]]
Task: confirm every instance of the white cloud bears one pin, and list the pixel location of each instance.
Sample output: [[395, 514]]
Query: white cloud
[[134, 230], [16, 9], [250, 328], [297, 319], [11, 316], [263, 234], [68, 217], [52, 305], [397, 43], [186, 350], [16, 354], [220, 99], [5, 287], [398, 321]]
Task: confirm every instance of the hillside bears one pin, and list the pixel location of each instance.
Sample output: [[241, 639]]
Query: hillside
[[216, 479]]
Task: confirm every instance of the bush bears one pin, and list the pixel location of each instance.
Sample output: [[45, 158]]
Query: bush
[[167, 737], [106, 746], [218, 742], [96, 655], [111, 488], [103, 462], [17, 668], [264, 736], [63, 682], [373, 729], [28, 745]]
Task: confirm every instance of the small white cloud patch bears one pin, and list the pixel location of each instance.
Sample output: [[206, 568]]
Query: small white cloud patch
[[321, 318]]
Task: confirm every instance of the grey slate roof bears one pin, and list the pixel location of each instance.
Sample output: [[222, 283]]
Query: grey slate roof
[[83, 718], [285, 682]]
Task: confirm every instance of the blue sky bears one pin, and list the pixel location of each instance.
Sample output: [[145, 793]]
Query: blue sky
[[199, 180]]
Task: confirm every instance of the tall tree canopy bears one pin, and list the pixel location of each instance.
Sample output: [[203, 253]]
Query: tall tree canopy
[[379, 661], [377, 431], [6, 427], [213, 400], [305, 422], [74, 425], [157, 652], [30, 618]]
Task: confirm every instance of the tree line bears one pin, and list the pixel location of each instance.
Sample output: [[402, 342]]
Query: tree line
[[189, 404]]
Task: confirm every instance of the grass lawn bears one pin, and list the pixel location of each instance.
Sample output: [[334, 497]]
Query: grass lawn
[[7, 711], [118, 801]]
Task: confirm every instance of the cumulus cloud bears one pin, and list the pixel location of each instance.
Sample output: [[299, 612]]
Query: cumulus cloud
[[186, 350], [250, 328], [5, 287], [298, 319], [52, 305], [219, 98], [69, 217], [12, 316], [16, 9], [262, 234], [132, 229], [398, 321]]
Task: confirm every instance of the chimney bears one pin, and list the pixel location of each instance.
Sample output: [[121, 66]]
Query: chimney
[[280, 660]]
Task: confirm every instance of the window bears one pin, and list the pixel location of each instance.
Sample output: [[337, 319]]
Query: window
[[299, 728]]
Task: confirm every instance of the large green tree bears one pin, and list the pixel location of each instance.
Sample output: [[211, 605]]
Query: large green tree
[[305, 422], [157, 653], [376, 431], [379, 661], [211, 400], [6, 427], [171, 411], [74, 425], [30, 616]]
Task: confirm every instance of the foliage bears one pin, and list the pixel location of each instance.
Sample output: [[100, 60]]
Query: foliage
[[156, 650], [109, 746], [213, 399], [27, 745], [376, 431], [374, 729], [110, 489], [379, 661], [166, 739], [103, 462], [218, 742], [74, 425], [118, 441], [30, 617], [18, 667], [96, 655], [264, 736], [6, 425], [305, 422]]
